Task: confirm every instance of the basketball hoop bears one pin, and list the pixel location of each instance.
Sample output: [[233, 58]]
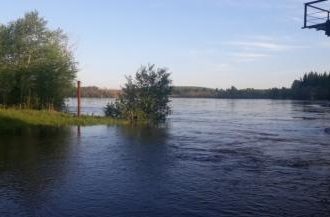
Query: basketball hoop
[[317, 17]]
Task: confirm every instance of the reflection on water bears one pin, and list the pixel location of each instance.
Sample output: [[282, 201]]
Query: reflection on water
[[145, 135], [213, 158], [27, 170], [327, 130]]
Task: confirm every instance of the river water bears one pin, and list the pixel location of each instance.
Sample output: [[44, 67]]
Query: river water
[[212, 158]]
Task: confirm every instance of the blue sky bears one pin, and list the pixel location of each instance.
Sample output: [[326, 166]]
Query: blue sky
[[212, 43]]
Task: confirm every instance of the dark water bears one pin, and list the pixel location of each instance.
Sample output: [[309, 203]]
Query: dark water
[[213, 158]]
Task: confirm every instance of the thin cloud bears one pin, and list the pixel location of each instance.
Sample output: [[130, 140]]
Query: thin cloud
[[324, 44], [270, 46], [248, 56]]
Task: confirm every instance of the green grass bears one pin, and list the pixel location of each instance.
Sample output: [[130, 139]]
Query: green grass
[[19, 118]]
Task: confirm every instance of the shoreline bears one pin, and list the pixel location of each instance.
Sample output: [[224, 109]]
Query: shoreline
[[11, 119]]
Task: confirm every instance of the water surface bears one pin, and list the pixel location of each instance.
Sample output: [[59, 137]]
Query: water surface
[[212, 158]]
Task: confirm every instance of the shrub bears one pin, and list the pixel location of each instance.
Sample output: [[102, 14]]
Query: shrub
[[144, 98]]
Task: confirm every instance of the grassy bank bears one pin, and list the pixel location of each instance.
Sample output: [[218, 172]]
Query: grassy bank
[[19, 118]]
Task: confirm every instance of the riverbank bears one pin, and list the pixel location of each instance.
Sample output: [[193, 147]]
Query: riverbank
[[20, 118]]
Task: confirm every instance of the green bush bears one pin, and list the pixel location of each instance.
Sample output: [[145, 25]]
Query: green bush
[[144, 98]]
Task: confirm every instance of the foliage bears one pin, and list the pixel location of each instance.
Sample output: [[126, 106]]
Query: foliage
[[96, 92], [144, 98], [113, 110], [231, 93], [250, 93], [193, 92], [37, 68], [312, 86]]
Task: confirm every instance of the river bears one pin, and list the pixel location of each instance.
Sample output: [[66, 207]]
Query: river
[[212, 158]]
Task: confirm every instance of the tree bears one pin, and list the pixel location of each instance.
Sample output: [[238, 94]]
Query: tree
[[313, 86], [37, 68], [144, 98]]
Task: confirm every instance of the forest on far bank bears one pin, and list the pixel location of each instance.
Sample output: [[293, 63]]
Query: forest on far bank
[[312, 86]]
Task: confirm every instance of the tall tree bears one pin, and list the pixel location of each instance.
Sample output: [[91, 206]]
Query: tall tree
[[37, 68]]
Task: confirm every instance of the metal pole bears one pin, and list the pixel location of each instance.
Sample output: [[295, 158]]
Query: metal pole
[[305, 16], [78, 98], [315, 2]]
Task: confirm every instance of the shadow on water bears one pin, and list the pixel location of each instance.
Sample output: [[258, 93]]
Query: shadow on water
[[13, 126], [29, 168], [145, 134], [311, 110], [148, 148], [311, 106], [146, 144], [327, 130]]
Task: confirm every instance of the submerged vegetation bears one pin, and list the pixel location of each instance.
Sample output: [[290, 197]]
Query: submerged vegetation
[[19, 118], [144, 98]]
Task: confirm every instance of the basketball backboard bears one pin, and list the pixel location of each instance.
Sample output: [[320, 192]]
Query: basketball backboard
[[317, 16]]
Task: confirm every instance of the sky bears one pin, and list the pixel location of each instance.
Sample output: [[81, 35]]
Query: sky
[[210, 43]]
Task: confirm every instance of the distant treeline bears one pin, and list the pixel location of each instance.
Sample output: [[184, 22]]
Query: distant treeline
[[312, 86], [232, 93], [96, 92]]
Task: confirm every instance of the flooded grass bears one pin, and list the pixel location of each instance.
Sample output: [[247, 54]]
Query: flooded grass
[[19, 118]]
